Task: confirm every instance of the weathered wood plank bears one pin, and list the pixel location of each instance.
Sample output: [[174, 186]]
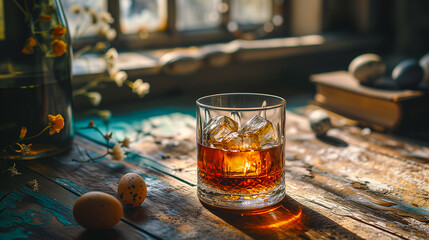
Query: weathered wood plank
[[47, 213], [362, 175], [350, 185], [172, 209], [391, 188]]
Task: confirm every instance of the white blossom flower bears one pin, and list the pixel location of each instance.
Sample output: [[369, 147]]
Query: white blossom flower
[[106, 17], [76, 9], [105, 114], [117, 152], [111, 54], [94, 98], [13, 171], [105, 30], [34, 185], [111, 58], [119, 77], [141, 88], [110, 34]]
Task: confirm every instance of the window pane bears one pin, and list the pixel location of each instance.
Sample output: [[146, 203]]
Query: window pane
[[251, 12], [197, 14], [80, 22], [141, 16]]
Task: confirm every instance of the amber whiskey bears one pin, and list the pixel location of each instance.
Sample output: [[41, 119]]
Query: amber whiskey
[[241, 172]]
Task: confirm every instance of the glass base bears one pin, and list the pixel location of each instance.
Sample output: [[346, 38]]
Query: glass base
[[217, 198]]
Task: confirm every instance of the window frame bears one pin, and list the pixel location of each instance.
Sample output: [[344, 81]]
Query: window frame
[[171, 37]]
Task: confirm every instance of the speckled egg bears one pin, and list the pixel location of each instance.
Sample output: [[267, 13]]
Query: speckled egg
[[132, 190], [97, 210]]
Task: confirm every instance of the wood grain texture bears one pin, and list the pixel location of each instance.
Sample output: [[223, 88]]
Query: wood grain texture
[[171, 209], [349, 185], [47, 213], [370, 182]]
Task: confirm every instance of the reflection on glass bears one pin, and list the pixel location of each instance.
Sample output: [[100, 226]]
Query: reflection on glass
[[197, 14], [141, 16], [251, 12], [76, 21]]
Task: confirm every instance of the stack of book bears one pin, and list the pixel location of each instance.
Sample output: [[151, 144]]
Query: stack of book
[[399, 110]]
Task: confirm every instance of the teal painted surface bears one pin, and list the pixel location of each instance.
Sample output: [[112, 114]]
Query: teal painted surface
[[71, 186], [122, 124], [411, 209], [14, 223], [125, 125], [16, 233]]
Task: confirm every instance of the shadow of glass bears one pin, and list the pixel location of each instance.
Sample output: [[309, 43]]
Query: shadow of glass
[[285, 220], [334, 141]]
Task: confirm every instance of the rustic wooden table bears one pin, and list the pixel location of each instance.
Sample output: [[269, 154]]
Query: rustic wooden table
[[353, 184]]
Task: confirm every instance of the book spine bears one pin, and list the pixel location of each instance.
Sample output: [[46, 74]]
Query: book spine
[[415, 116]]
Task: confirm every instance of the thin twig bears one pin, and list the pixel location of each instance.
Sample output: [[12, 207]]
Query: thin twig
[[90, 158], [82, 51], [40, 133], [9, 192]]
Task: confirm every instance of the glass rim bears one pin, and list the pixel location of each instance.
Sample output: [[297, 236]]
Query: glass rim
[[282, 103]]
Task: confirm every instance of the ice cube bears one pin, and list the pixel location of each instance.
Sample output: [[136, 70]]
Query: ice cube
[[240, 141], [242, 164], [263, 129], [217, 128]]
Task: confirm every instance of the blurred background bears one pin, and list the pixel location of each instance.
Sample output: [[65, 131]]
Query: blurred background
[[191, 48]]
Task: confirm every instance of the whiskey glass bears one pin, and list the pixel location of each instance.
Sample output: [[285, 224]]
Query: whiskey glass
[[241, 150]]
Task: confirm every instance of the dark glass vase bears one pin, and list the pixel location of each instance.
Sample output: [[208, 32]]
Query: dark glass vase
[[35, 79]]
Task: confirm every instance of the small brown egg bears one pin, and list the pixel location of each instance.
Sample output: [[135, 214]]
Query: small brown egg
[[132, 190], [97, 210]]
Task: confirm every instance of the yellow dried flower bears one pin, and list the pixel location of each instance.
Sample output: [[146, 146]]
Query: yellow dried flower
[[100, 46], [58, 31], [45, 18], [107, 136], [58, 47], [117, 152], [23, 133], [126, 142], [31, 41], [28, 45], [56, 123], [24, 149], [91, 124], [27, 50]]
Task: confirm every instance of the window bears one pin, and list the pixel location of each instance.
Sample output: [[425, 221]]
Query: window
[[142, 16], [198, 14], [76, 21], [168, 23]]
